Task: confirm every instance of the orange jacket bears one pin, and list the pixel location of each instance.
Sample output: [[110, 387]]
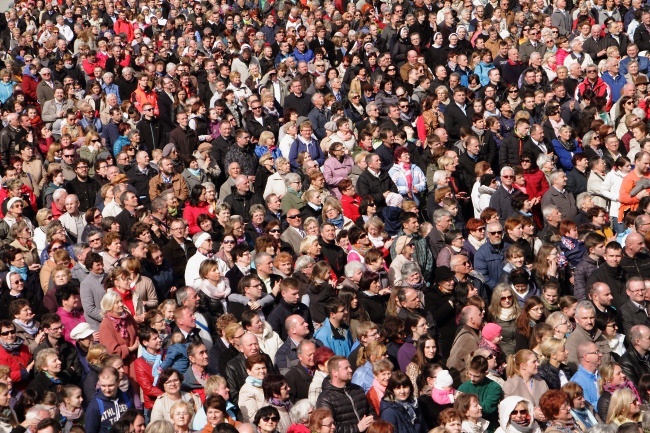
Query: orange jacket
[[628, 202], [139, 97]]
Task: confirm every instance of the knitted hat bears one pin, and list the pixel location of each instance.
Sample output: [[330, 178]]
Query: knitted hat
[[201, 237], [443, 380], [394, 199], [330, 126], [401, 242], [491, 331]]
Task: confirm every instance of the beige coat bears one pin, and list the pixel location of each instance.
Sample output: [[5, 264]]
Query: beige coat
[[516, 386], [34, 175], [163, 405], [466, 342], [251, 399], [580, 336]]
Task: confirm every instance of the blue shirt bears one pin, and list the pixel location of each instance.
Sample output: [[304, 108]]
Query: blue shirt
[[588, 382], [363, 376]]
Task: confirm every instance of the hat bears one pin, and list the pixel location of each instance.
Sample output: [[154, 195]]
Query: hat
[[641, 80], [330, 126], [394, 199], [491, 331], [443, 380], [81, 331], [300, 120], [201, 237], [12, 201], [244, 47], [367, 87], [120, 178], [443, 273], [205, 146], [168, 149], [368, 46], [401, 242]]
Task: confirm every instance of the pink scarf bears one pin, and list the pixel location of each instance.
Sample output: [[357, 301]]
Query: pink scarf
[[408, 174], [120, 325], [379, 389]]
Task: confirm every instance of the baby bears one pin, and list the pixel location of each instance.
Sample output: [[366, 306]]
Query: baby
[[443, 391]]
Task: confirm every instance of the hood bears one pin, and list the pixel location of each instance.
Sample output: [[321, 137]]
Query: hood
[[484, 189], [507, 405]]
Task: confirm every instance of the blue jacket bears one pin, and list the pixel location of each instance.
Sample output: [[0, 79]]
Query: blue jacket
[[300, 146], [112, 88], [644, 64], [103, 412], [6, 90], [120, 143], [488, 260], [564, 156], [363, 376], [615, 84], [340, 346], [482, 70], [398, 416], [307, 56], [588, 383], [176, 358]]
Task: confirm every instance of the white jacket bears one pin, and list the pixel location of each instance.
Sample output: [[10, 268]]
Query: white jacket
[[611, 189], [269, 341]]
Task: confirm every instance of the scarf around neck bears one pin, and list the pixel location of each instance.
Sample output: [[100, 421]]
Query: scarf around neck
[[154, 361], [284, 404], [31, 329], [11, 347], [338, 221], [410, 406], [627, 384], [120, 324], [70, 414], [254, 381], [379, 388], [507, 314]]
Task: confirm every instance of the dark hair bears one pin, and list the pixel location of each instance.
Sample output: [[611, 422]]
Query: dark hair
[[215, 401], [146, 332], [366, 201], [272, 385], [393, 328], [410, 322], [397, 380], [239, 251], [165, 375], [130, 416], [265, 411], [367, 279], [602, 319], [197, 190], [49, 319], [51, 422], [332, 306], [64, 293], [224, 427], [91, 258], [120, 426], [247, 317]]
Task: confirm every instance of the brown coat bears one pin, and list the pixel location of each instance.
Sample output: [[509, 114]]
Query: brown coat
[[516, 386], [181, 191], [116, 344], [466, 342]]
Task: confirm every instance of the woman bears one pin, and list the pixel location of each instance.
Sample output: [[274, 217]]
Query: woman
[[385, 96], [337, 168], [612, 378], [367, 357], [214, 288], [181, 414], [291, 199], [612, 187], [556, 409], [214, 412], [523, 380], [516, 416], [265, 169], [314, 208], [533, 312], [553, 370], [546, 268], [624, 407], [382, 370], [333, 214], [267, 419], [454, 242], [399, 405], [321, 356], [607, 323], [195, 206], [431, 117], [471, 413], [409, 178], [251, 395], [584, 415], [117, 331], [350, 199], [140, 285], [565, 147], [356, 313], [415, 326], [48, 366], [504, 311], [321, 421], [255, 226], [598, 218], [425, 354]]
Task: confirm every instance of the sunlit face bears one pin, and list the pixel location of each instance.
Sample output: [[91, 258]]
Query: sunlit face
[[258, 371], [454, 426], [536, 312]]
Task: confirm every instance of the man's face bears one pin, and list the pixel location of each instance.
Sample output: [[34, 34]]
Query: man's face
[[613, 257], [199, 356], [306, 357], [291, 296], [108, 385], [412, 301], [71, 205], [344, 372], [644, 342], [603, 296], [459, 97], [585, 318]]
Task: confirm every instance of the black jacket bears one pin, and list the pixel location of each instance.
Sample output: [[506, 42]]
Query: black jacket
[[369, 184], [440, 306], [455, 119], [241, 204], [86, 192], [348, 405], [501, 200], [510, 150], [236, 374], [615, 278], [642, 38], [576, 182], [634, 365], [282, 311], [630, 315], [178, 258], [70, 365], [638, 266], [551, 375], [375, 306], [140, 182], [255, 128], [334, 256], [126, 221], [298, 380], [150, 132]]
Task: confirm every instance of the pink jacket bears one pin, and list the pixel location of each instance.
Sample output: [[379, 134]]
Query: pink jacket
[[69, 321], [335, 171]]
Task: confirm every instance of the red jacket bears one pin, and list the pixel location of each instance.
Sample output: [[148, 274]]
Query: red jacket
[[17, 361], [123, 27], [144, 378], [350, 206], [600, 88], [536, 183], [191, 213], [28, 85]]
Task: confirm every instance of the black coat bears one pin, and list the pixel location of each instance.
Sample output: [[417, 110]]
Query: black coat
[[375, 306], [348, 405], [86, 192], [178, 258], [166, 114], [282, 311], [369, 184], [615, 278], [576, 182], [634, 365], [298, 380], [440, 306], [236, 374], [334, 256], [126, 221], [639, 266], [140, 182], [215, 354], [642, 38], [510, 150], [466, 165], [455, 119], [241, 204], [551, 374], [630, 315], [501, 200], [151, 133]]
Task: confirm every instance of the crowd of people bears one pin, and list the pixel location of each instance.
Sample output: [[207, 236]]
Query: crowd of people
[[325, 216]]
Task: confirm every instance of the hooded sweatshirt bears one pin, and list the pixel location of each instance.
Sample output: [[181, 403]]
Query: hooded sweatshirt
[[103, 412]]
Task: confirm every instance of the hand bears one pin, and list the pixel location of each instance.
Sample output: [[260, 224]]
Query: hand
[[139, 318], [254, 305], [364, 423], [386, 193], [172, 290], [135, 345], [96, 336], [276, 288], [539, 416], [30, 366], [34, 267], [40, 336]]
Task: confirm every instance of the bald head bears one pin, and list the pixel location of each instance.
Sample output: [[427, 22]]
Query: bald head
[[297, 327], [634, 243]]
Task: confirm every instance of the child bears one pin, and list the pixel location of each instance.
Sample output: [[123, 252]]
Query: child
[[70, 409], [568, 306], [551, 296], [392, 213], [490, 339], [167, 309], [425, 229], [451, 204], [443, 391], [176, 356]]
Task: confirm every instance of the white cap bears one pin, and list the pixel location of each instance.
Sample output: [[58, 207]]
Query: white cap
[[81, 331]]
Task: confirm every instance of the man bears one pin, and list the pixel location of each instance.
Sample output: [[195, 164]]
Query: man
[[264, 271], [613, 79], [501, 199], [467, 339], [150, 340], [585, 332], [188, 297], [488, 391], [342, 398], [83, 186], [236, 367], [140, 175], [318, 116], [532, 45], [611, 273], [70, 366], [168, 179], [386, 149], [635, 362], [299, 377], [150, 129], [184, 137], [462, 268], [596, 84], [185, 323], [195, 376], [242, 266], [442, 220], [294, 234], [334, 333], [552, 218], [375, 182], [83, 337], [488, 258], [110, 131], [458, 114], [45, 88], [73, 221], [601, 296], [587, 376], [297, 331], [234, 170], [595, 246], [55, 110], [143, 94], [298, 100], [241, 199], [641, 170], [108, 404], [422, 254], [243, 153], [289, 305], [127, 217], [165, 104], [577, 177], [635, 261], [178, 250], [558, 196], [634, 310], [511, 150]]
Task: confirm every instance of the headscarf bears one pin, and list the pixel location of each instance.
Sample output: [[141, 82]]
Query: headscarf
[[434, 38]]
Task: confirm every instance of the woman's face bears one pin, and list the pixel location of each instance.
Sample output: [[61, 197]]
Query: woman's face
[[454, 426], [402, 393], [517, 261], [215, 416], [258, 371], [383, 377], [520, 415], [530, 366], [516, 232], [181, 417], [506, 299], [237, 229], [618, 377], [173, 384], [60, 278], [4, 398], [314, 249], [475, 410], [74, 400], [59, 180], [430, 349], [536, 312], [52, 365], [118, 307]]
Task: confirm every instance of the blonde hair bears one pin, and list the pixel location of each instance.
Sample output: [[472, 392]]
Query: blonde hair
[[549, 347], [372, 349], [182, 404], [213, 383], [619, 406], [515, 361], [606, 372], [96, 354], [41, 358]]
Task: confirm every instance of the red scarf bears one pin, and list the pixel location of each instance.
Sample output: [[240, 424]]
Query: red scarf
[[127, 299]]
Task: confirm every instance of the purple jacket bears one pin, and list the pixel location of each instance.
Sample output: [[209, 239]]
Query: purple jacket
[[335, 171], [405, 354]]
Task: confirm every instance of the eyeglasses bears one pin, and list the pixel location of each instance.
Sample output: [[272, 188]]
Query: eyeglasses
[[507, 176], [5, 333], [293, 217], [56, 249], [270, 419], [499, 232], [68, 156], [507, 298], [593, 71], [94, 240]]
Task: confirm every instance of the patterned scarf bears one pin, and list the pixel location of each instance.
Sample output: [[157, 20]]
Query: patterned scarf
[[31, 329], [12, 347], [410, 407], [627, 384], [284, 404], [120, 324]]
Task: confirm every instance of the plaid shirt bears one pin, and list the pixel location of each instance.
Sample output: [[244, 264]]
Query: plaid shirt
[[421, 254]]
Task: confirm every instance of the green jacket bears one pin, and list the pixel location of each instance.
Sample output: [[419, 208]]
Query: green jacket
[[489, 395]]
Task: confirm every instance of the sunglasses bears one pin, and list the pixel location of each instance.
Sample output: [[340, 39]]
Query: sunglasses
[[228, 242], [5, 333], [500, 232], [274, 231], [507, 176], [507, 298], [270, 418], [519, 412], [293, 217]]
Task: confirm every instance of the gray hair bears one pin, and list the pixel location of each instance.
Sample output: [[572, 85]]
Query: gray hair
[[602, 428], [303, 262], [300, 411], [585, 305], [209, 185], [574, 43], [506, 169], [78, 249], [108, 74], [554, 175], [371, 106], [109, 300], [259, 257], [546, 212], [59, 193], [181, 295], [410, 268], [290, 178], [279, 161], [256, 208], [542, 159], [582, 198], [32, 412], [439, 214], [438, 175], [352, 267]]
